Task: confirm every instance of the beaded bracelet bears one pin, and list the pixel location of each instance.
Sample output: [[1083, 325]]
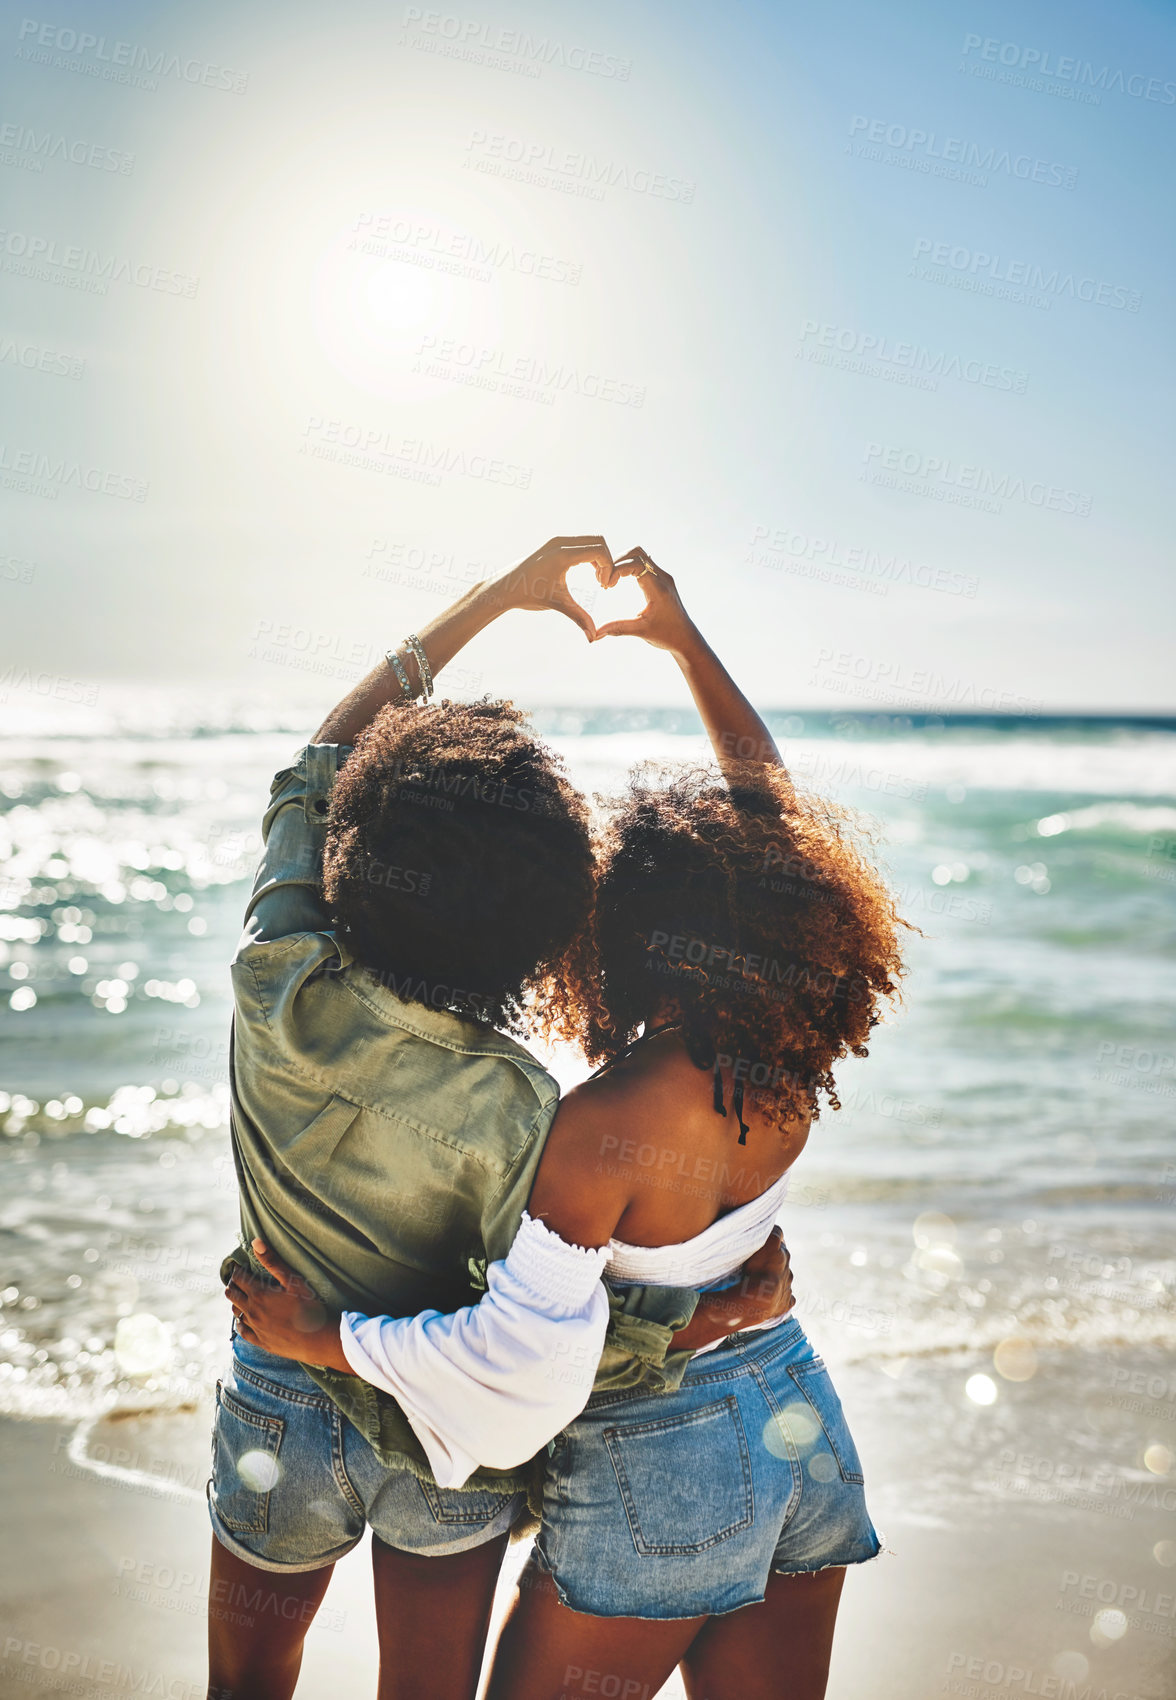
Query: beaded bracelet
[[418, 649], [397, 666]]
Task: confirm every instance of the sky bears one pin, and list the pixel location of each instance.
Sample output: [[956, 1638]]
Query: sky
[[857, 317]]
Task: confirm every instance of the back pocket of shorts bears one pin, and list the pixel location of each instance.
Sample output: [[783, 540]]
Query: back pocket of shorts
[[814, 1382], [245, 1465], [468, 1510], [685, 1481]]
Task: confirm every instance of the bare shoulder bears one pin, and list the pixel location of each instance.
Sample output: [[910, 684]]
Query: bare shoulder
[[577, 1193]]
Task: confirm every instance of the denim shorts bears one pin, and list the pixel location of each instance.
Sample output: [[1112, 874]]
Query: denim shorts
[[294, 1484], [684, 1504]]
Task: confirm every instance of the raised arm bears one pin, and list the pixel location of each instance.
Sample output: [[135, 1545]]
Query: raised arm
[[736, 731], [539, 582]]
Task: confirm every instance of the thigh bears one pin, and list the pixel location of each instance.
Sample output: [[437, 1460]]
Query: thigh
[[257, 1623], [433, 1615], [741, 1656], [549, 1652]]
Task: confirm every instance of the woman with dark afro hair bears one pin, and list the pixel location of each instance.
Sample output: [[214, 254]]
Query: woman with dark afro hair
[[740, 944], [426, 871]]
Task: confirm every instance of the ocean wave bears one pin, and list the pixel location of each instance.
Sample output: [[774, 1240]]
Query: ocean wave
[[1122, 817], [884, 774]]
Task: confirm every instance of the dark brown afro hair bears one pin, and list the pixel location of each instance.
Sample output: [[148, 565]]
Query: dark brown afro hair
[[750, 909], [458, 859]]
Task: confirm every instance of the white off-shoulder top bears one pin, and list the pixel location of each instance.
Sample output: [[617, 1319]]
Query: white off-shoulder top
[[709, 1258], [492, 1383]]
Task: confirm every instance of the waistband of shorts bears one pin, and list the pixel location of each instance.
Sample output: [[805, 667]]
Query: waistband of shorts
[[285, 1375]]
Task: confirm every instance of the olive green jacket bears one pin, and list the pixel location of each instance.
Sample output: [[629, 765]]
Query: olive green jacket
[[386, 1150]]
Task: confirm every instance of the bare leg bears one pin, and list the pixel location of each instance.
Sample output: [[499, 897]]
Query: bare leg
[[776, 1650], [433, 1615], [548, 1652], [257, 1623]]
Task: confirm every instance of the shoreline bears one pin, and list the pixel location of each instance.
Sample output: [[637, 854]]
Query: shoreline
[[1021, 1555]]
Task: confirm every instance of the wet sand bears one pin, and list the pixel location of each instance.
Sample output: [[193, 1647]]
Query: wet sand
[[1008, 1538]]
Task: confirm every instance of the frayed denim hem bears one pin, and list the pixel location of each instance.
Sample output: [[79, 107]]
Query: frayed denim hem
[[883, 1551], [544, 1564]]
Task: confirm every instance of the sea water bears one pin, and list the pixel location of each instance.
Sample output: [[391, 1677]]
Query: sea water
[[996, 1191]]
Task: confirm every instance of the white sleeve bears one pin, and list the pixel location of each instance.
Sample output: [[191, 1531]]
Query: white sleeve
[[493, 1383]]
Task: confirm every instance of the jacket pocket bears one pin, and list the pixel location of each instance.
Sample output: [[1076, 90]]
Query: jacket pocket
[[245, 1466], [685, 1481]]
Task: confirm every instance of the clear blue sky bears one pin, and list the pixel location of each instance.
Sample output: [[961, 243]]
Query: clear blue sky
[[892, 286]]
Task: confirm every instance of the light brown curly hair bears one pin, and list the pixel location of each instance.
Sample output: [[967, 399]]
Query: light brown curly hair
[[750, 908]]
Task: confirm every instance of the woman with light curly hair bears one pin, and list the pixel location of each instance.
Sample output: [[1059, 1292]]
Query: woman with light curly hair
[[740, 944]]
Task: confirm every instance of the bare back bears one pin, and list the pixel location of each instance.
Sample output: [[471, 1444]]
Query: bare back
[[640, 1153]]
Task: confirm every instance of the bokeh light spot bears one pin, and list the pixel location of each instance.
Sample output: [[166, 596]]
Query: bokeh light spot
[[932, 1229], [1015, 1359], [1109, 1625], [258, 1470], [142, 1344]]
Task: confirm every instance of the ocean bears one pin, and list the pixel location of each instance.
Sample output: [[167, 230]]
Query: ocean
[[995, 1196]]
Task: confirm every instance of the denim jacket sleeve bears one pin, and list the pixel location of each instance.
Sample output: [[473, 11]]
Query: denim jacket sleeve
[[287, 894]]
